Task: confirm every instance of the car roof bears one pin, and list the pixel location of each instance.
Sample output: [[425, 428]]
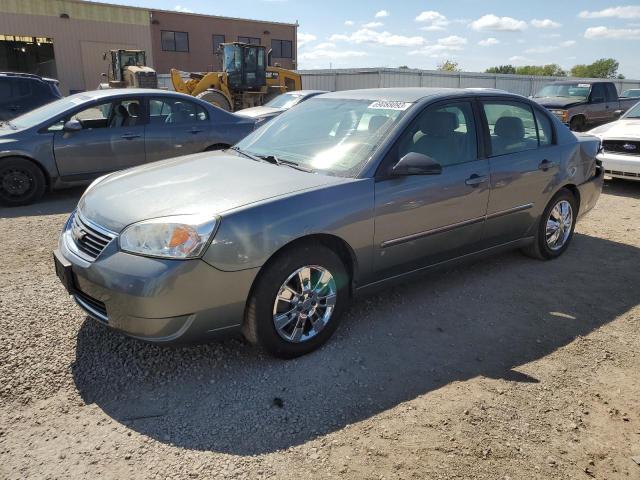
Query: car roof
[[414, 94], [113, 92]]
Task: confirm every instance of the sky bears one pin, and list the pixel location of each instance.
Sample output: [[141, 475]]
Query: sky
[[420, 34]]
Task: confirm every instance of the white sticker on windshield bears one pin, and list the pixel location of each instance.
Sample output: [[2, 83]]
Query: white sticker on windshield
[[584, 85], [385, 105]]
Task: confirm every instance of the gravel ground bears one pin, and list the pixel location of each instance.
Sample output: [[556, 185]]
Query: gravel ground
[[508, 368]]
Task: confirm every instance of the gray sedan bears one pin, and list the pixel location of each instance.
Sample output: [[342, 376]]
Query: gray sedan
[[79, 138], [346, 193]]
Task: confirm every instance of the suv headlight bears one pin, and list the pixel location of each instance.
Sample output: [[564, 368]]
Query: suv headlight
[[179, 237]]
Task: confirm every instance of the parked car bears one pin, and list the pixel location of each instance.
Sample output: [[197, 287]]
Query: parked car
[[345, 193], [581, 105], [620, 154], [78, 138], [279, 104], [631, 93], [22, 92]]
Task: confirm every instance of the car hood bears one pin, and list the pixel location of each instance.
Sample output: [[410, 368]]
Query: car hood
[[621, 129], [558, 102], [255, 112], [209, 183]]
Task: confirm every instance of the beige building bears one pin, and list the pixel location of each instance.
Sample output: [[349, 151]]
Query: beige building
[[66, 39]]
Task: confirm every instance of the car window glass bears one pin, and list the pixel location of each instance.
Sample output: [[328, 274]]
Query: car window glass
[[175, 111], [118, 114], [445, 133], [598, 93], [612, 93], [511, 127], [545, 130]]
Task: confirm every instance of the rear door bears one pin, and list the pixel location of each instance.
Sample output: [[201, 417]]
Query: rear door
[[112, 138], [523, 160], [176, 127]]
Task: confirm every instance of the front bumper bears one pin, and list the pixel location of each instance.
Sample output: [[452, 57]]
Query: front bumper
[[590, 192], [621, 166], [157, 299]]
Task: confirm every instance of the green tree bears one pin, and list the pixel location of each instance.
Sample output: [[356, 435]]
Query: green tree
[[403, 67], [449, 66], [551, 70], [506, 69], [603, 68]]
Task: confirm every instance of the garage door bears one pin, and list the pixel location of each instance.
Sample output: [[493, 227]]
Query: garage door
[[93, 64]]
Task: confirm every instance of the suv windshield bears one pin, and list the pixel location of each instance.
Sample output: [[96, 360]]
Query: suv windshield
[[48, 111], [335, 136], [577, 90], [284, 101]]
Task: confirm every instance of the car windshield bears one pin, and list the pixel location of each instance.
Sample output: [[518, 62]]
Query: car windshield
[[633, 112], [284, 101], [577, 90], [335, 136], [631, 94], [48, 111]]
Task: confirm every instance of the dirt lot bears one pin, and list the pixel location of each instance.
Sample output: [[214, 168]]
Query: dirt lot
[[505, 369]]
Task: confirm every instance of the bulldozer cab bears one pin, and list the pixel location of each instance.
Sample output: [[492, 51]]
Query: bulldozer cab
[[121, 59], [245, 66]]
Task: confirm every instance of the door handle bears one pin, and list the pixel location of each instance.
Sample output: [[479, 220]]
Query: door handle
[[130, 136], [546, 165], [475, 180]]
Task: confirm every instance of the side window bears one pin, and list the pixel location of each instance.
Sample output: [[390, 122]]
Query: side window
[[95, 116], [597, 93], [545, 130], [445, 133], [114, 114], [511, 127], [612, 93], [175, 112]]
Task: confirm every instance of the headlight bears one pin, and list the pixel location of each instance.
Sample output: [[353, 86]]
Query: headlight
[[563, 115], [180, 236]]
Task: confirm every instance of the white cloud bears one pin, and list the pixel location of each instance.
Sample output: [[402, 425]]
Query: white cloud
[[550, 35], [543, 49], [488, 42], [617, 33], [382, 14], [498, 24], [568, 43], [304, 38], [518, 59], [373, 25], [324, 46], [365, 35], [619, 12], [180, 8], [546, 23], [443, 47], [349, 23], [330, 53], [434, 20]]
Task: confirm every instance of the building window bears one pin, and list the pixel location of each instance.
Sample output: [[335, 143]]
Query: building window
[[174, 41], [249, 40], [281, 49], [218, 40]]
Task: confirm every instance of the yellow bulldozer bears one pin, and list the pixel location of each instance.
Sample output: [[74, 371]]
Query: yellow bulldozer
[[247, 79]]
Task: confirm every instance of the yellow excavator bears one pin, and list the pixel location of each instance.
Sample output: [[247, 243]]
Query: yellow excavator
[[247, 79]]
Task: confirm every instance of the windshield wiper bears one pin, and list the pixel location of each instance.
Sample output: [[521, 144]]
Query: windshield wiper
[[246, 154], [279, 161]]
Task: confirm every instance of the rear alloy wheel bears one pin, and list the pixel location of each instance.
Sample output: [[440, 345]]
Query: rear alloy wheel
[[297, 301], [556, 226], [21, 182]]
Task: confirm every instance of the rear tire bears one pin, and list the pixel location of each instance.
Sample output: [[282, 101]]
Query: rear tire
[[551, 242], [215, 98], [21, 182], [306, 320]]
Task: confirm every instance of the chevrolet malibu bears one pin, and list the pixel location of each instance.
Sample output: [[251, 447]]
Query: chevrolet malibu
[[341, 195]]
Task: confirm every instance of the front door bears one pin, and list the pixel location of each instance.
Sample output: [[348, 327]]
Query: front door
[[112, 138], [425, 219], [523, 162], [176, 127]]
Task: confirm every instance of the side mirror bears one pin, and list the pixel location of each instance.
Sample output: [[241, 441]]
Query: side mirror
[[414, 163], [72, 126]]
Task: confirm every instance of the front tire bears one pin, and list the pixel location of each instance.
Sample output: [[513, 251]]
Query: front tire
[[555, 227], [21, 182], [216, 99], [297, 301], [577, 124]]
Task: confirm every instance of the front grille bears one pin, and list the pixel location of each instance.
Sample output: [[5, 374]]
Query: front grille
[[90, 239], [623, 174], [625, 147], [93, 307]]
